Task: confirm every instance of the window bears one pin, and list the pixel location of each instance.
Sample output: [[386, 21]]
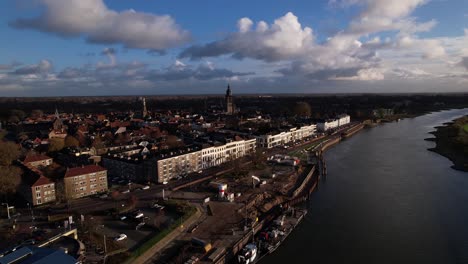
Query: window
[[38, 188], [39, 201], [38, 195]]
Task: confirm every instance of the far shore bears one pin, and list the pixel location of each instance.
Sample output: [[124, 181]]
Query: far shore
[[452, 142]]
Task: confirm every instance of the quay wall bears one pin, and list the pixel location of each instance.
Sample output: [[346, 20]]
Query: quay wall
[[304, 183], [353, 130]]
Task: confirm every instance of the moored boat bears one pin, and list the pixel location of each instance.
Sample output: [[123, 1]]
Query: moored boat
[[248, 254]]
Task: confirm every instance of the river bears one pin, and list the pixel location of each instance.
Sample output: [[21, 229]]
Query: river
[[387, 199]]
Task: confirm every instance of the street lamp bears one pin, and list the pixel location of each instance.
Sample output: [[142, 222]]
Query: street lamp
[[8, 209], [32, 213]]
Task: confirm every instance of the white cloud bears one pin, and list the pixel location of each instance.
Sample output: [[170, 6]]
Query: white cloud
[[364, 75], [284, 39], [244, 24], [99, 24], [43, 67]]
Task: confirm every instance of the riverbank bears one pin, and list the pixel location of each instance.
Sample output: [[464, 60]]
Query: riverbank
[[452, 142]]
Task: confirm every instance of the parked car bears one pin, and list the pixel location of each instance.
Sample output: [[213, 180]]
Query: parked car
[[157, 206], [146, 187], [140, 225], [121, 237], [126, 191], [122, 217], [138, 215]]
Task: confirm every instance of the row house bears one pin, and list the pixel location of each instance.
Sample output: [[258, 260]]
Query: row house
[[173, 165], [328, 124], [285, 137], [218, 155], [84, 181]]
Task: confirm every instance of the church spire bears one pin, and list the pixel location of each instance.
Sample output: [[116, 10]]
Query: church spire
[[228, 91], [229, 103], [145, 111], [57, 115]]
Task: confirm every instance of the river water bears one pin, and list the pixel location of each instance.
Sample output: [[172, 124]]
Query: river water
[[387, 199]]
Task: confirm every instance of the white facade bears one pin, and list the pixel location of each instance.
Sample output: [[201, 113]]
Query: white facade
[[343, 120], [334, 123], [294, 134], [175, 166], [217, 155]]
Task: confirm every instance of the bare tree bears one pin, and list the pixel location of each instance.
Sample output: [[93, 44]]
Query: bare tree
[[71, 141], [56, 144], [9, 152], [9, 179]]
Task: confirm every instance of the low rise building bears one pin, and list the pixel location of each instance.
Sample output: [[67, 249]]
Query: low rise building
[[84, 181], [37, 160], [35, 187], [36, 255]]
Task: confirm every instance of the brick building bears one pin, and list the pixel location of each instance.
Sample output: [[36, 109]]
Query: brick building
[[84, 181]]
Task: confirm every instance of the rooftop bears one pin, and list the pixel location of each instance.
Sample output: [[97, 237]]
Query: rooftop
[[83, 170], [35, 157]]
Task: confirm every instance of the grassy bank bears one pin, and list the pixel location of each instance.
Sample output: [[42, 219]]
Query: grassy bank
[[184, 210], [452, 142]]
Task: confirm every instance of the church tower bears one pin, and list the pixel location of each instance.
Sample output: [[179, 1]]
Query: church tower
[[229, 103], [58, 124], [145, 111]]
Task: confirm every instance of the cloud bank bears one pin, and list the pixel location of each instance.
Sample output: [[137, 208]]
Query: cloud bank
[[99, 24]]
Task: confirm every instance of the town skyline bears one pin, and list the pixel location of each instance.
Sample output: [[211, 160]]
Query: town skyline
[[142, 48]]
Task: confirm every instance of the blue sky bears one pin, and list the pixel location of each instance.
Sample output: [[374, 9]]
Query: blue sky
[[96, 47]]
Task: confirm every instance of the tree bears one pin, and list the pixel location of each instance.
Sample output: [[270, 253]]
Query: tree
[[9, 152], [257, 157], [173, 141], [36, 113], [71, 141], [9, 179], [16, 116], [56, 144], [302, 109], [97, 142]]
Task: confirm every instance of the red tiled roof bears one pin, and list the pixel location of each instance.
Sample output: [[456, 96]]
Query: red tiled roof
[[41, 181], [83, 170], [35, 157]]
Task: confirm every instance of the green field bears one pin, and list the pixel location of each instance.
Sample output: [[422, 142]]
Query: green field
[[465, 128]]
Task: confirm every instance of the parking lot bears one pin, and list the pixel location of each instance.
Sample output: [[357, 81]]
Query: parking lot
[[113, 226]]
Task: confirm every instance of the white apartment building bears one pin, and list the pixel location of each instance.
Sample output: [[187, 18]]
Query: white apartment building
[[294, 134], [217, 155], [174, 166], [343, 120], [333, 123]]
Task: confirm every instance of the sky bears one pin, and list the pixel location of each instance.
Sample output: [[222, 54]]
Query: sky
[[139, 47]]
